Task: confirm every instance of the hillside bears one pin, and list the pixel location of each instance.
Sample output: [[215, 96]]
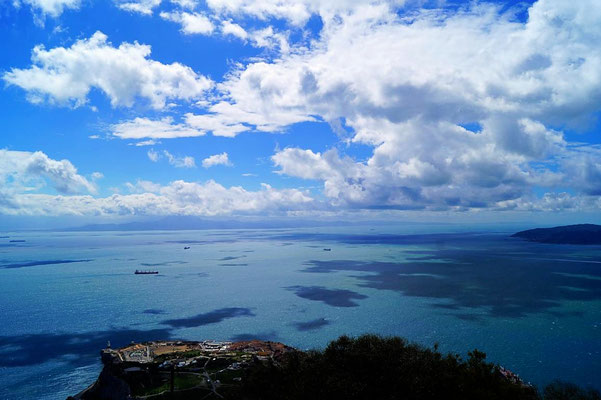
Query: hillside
[[367, 367], [569, 234]]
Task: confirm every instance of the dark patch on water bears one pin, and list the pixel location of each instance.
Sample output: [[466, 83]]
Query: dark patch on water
[[332, 297], [211, 317], [233, 265], [154, 311], [230, 258], [41, 262], [202, 241], [24, 350], [355, 239], [311, 325], [164, 263], [468, 317], [243, 337], [495, 279]]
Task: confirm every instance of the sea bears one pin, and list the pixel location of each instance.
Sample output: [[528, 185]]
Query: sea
[[532, 308]]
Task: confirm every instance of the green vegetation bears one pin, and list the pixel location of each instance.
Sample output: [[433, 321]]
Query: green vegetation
[[559, 390], [179, 354], [368, 367], [181, 382], [227, 376], [372, 367]]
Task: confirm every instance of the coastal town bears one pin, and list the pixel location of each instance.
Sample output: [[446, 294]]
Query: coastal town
[[169, 369]]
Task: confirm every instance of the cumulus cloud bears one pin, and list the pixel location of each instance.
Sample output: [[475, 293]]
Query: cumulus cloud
[[53, 8], [231, 28], [189, 4], [191, 23], [295, 12], [407, 84], [144, 7], [462, 107], [23, 171], [217, 159], [219, 124], [176, 198], [125, 73]]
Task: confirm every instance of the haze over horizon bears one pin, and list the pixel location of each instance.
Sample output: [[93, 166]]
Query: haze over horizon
[[464, 112]]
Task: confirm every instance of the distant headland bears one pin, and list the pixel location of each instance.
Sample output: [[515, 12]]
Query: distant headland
[[569, 234]]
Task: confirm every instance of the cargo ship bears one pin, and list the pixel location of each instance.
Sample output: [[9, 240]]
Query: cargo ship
[[138, 272]]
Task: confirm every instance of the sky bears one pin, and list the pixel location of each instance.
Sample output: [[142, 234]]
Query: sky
[[344, 109]]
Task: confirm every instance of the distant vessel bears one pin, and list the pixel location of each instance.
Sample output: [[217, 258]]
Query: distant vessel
[[138, 272], [327, 249], [186, 248]]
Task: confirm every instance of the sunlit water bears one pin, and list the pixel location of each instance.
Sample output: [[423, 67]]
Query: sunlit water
[[534, 308]]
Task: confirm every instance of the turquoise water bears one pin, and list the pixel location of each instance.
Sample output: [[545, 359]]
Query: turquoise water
[[534, 308]]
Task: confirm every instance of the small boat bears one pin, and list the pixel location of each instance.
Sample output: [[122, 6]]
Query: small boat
[[186, 248], [327, 249], [138, 272]]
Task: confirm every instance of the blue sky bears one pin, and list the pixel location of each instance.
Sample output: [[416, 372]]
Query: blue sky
[[311, 109]]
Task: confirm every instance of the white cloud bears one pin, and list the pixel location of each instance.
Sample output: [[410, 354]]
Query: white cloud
[[270, 39], [217, 159], [124, 74], [176, 198], [553, 202], [53, 8], [189, 4], [144, 7], [153, 155], [295, 12], [191, 23], [176, 161], [149, 142], [180, 162], [230, 28], [141, 128], [218, 124], [97, 175], [166, 128], [23, 171], [405, 84]]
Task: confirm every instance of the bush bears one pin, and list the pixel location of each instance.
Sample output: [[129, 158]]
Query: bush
[[559, 390], [373, 367]]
